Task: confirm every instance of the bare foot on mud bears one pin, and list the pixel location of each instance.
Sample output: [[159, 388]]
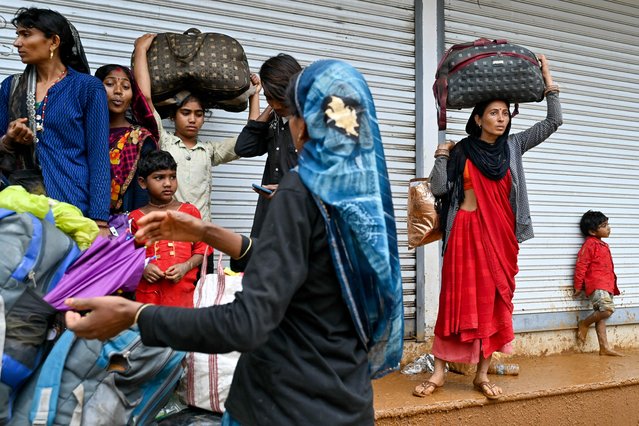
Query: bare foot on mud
[[582, 332], [609, 352]]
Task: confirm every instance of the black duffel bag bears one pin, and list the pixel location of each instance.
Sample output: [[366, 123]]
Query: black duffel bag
[[212, 66], [483, 70]]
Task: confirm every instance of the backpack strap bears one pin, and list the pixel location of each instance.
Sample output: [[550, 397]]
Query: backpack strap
[[45, 398], [76, 417], [31, 254], [72, 255], [5, 212], [3, 329], [49, 217]]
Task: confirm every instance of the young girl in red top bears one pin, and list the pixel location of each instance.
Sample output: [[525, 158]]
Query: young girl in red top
[[595, 275], [169, 278]]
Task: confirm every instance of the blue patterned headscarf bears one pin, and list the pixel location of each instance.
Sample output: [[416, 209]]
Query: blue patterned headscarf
[[343, 166]]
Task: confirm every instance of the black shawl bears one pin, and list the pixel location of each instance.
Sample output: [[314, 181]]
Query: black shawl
[[492, 159]]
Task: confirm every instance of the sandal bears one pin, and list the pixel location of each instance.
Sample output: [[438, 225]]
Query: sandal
[[421, 389], [487, 389]]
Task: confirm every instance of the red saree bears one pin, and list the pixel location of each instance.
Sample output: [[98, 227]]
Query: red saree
[[478, 276]]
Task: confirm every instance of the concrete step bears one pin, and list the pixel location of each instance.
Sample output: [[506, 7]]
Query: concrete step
[[567, 389]]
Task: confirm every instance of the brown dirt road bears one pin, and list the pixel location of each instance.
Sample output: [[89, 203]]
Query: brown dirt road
[[557, 390]]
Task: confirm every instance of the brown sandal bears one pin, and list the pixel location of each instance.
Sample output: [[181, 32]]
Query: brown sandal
[[487, 389], [421, 389]]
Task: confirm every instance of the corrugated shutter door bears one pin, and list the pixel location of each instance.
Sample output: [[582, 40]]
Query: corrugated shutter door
[[590, 163], [375, 36]]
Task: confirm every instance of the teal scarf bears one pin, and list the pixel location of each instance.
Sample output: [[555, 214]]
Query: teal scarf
[[343, 166]]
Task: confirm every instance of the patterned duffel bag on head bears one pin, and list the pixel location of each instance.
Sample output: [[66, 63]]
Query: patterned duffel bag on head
[[212, 66], [483, 70]]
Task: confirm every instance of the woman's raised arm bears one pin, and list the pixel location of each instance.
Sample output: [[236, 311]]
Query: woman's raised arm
[[141, 66]]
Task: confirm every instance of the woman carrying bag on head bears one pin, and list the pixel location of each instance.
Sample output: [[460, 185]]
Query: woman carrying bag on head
[[485, 215], [54, 120]]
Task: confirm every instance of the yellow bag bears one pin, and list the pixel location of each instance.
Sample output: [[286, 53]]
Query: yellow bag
[[68, 218], [423, 218]]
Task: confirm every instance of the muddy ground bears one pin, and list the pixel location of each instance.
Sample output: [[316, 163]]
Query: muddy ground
[[557, 390]]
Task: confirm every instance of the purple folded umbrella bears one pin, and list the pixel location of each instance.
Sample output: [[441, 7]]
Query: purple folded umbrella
[[118, 225], [105, 267]]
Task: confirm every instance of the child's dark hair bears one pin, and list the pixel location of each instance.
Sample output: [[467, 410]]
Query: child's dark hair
[[181, 102], [275, 73], [154, 161], [591, 221]]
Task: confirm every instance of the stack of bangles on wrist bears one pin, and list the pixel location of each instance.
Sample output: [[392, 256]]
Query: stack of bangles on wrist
[[553, 88], [441, 152]]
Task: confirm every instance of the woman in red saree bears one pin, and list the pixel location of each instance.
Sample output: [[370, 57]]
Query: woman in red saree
[[481, 184]]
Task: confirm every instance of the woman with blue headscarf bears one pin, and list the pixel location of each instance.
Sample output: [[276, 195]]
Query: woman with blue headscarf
[[321, 311]]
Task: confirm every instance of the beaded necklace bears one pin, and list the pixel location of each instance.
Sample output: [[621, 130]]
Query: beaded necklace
[[39, 118]]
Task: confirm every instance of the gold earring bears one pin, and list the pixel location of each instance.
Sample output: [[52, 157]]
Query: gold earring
[[51, 53]]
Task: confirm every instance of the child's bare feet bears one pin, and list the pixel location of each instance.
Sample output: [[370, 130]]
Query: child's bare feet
[[609, 352], [582, 331]]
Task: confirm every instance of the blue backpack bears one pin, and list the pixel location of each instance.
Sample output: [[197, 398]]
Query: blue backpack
[[88, 382], [35, 255]]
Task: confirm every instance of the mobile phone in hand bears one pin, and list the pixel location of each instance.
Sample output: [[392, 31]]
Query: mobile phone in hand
[[262, 189]]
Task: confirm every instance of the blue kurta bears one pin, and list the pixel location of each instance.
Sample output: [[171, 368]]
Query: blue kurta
[[73, 149]]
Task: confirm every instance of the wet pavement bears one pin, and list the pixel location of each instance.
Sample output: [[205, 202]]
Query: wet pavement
[[583, 388]]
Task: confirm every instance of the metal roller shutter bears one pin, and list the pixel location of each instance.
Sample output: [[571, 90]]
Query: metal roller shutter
[[590, 163], [378, 37]]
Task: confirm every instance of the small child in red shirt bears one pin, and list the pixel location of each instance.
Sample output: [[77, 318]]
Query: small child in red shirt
[[595, 274], [169, 278]]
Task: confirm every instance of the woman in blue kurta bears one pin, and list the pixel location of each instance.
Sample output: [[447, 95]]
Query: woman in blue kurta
[[54, 119]]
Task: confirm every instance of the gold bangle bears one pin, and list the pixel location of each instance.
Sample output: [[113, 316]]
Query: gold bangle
[[442, 153], [139, 311], [247, 249]]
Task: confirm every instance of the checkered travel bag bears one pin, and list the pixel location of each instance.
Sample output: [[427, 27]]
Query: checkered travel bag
[[212, 66], [483, 70]]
